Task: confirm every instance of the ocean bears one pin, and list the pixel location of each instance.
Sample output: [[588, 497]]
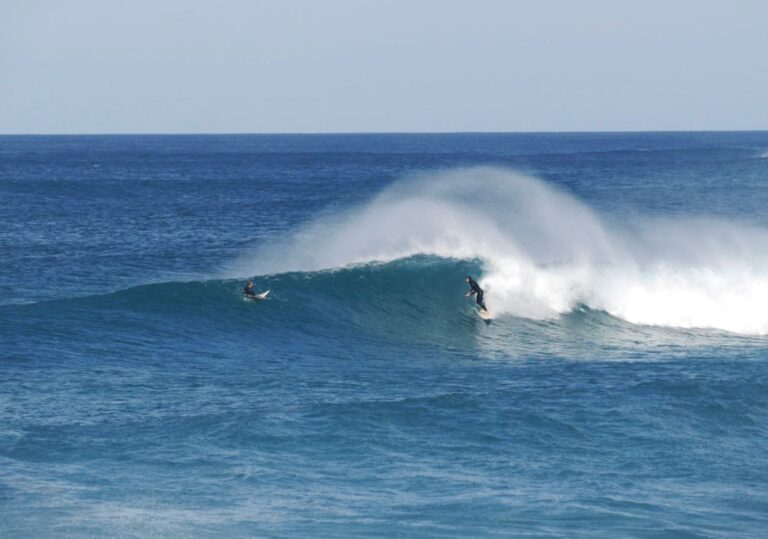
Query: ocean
[[621, 389]]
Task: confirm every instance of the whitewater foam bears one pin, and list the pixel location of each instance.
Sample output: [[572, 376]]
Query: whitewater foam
[[544, 252]]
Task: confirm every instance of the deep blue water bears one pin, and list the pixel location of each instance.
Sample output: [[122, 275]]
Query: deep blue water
[[620, 391]]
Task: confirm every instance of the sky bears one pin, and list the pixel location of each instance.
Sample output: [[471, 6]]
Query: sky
[[292, 66]]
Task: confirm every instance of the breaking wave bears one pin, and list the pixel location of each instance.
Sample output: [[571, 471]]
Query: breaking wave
[[543, 252]]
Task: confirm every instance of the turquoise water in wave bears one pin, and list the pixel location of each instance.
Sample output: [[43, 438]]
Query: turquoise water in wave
[[620, 391]]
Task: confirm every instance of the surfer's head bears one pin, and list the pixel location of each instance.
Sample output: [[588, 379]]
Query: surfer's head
[[249, 283]]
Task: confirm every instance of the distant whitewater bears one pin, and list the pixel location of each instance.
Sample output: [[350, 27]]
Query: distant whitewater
[[543, 252]]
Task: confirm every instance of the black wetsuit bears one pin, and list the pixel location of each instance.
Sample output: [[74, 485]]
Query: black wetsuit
[[474, 288], [249, 291]]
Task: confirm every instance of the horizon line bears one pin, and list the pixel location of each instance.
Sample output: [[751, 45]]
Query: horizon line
[[342, 133]]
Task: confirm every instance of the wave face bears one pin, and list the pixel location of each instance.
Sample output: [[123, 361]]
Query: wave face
[[543, 252], [379, 310]]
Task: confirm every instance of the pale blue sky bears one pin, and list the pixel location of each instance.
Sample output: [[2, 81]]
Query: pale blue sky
[[233, 66]]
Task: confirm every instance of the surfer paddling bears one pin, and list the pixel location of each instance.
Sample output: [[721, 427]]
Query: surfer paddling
[[474, 289], [248, 290], [250, 293]]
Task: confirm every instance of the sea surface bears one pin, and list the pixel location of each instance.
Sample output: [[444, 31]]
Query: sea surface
[[621, 389]]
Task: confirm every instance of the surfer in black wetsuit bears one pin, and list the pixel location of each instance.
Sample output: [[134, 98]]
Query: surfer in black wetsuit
[[248, 290], [474, 288]]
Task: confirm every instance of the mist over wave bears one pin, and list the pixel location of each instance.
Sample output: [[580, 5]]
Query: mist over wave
[[543, 252]]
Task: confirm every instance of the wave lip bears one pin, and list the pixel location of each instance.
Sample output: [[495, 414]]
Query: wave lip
[[543, 252]]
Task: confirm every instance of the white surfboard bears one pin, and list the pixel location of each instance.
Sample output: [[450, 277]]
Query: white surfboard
[[257, 297], [485, 315]]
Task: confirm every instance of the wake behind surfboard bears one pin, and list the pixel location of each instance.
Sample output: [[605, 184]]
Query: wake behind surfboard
[[485, 315]]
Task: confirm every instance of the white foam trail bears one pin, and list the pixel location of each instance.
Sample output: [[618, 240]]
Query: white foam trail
[[544, 252]]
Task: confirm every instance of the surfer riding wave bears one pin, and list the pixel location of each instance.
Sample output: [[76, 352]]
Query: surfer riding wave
[[474, 289]]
